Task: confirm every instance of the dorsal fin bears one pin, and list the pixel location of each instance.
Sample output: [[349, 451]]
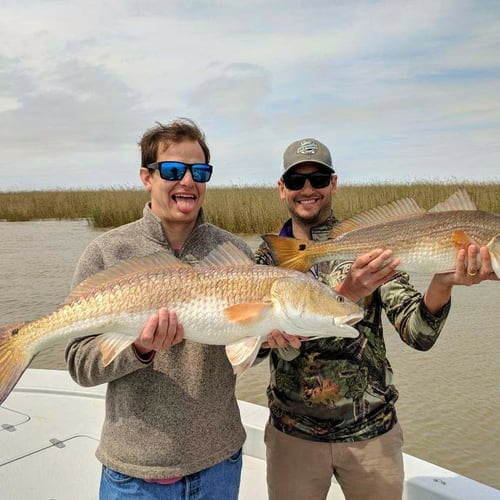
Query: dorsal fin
[[226, 254], [399, 209], [457, 201], [159, 260]]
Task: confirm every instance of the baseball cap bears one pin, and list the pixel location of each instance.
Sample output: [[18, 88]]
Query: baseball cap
[[306, 150]]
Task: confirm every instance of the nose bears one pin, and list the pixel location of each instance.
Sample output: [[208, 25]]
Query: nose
[[307, 186], [187, 180]]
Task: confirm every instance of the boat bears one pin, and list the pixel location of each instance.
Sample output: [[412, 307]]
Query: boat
[[50, 427]]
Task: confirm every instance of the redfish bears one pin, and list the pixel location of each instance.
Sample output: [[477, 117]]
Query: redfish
[[425, 241], [225, 299]]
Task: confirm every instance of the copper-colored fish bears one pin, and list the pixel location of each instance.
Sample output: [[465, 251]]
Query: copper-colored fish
[[426, 242], [225, 300]]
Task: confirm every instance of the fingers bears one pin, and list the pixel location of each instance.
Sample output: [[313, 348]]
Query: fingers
[[473, 265], [161, 331], [378, 262], [167, 333], [278, 339], [368, 272]]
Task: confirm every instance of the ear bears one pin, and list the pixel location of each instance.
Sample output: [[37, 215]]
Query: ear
[[146, 178], [281, 189], [334, 183]]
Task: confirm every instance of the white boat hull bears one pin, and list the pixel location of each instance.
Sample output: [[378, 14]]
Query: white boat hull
[[50, 426]]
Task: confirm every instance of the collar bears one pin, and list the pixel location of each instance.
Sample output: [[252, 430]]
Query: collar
[[153, 226], [319, 232]]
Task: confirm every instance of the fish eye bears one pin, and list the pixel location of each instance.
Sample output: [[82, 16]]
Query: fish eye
[[340, 298]]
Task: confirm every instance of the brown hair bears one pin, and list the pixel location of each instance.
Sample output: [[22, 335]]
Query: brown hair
[[176, 131]]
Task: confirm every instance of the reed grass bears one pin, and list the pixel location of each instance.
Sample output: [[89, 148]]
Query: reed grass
[[239, 209]]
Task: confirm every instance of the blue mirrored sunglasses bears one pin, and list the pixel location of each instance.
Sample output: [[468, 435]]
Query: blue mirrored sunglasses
[[176, 170]]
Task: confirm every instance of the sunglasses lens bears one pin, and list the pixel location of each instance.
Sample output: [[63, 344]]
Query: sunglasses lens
[[172, 170], [175, 171], [294, 182], [201, 172], [318, 180]]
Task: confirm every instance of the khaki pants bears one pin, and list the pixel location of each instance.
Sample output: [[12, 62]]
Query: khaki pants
[[298, 469]]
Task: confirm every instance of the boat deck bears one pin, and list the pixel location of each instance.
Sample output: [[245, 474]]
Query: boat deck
[[50, 427]]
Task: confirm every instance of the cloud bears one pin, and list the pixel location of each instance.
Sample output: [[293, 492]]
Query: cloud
[[397, 89]]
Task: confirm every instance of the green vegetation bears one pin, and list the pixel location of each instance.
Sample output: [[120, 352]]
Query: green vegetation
[[239, 209]]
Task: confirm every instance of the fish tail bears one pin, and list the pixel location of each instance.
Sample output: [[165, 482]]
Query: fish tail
[[290, 252], [14, 359]]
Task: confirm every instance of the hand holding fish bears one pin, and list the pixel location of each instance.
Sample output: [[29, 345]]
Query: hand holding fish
[[278, 339], [161, 331], [469, 270], [367, 273]]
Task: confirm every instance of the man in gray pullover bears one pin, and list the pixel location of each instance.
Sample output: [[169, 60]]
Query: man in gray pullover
[[172, 427]]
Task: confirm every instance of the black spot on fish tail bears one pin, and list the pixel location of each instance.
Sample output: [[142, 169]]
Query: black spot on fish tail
[[10, 330], [302, 247]]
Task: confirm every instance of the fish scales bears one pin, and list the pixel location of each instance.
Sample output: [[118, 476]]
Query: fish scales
[[426, 242], [235, 305]]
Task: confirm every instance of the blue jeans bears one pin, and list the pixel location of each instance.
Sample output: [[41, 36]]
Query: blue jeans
[[219, 482]]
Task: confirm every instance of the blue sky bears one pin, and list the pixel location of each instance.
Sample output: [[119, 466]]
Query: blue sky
[[399, 90]]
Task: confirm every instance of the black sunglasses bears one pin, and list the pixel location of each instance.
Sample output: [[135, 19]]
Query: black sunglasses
[[295, 181], [176, 170]]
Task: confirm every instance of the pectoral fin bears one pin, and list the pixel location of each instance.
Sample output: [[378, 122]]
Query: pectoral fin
[[461, 239], [242, 354], [247, 313], [111, 344]]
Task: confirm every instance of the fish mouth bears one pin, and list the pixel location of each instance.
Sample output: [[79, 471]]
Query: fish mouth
[[349, 319]]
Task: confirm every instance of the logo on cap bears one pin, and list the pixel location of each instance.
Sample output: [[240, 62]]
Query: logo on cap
[[307, 147]]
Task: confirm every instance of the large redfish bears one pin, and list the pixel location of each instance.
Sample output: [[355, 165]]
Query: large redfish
[[426, 242], [225, 299]]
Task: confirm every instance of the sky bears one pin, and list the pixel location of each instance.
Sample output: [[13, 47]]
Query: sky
[[400, 91]]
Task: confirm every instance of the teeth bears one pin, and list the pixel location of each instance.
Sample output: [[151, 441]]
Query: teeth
[[187, 196]]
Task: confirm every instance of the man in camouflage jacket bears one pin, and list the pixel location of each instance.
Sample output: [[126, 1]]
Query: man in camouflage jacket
[[332, 401]]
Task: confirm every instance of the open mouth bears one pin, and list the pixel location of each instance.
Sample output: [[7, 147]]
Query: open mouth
[[308, 201], [185, 202], [180, 197]]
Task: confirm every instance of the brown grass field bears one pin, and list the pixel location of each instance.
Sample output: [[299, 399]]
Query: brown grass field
[[239, 209]]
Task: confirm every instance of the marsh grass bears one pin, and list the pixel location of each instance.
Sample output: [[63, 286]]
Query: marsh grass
[[239, 209]]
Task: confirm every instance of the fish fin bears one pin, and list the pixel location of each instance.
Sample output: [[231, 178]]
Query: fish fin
[[457, 201], [461, 239], [226, 254], [13, 360], [158, 260], [289, 252], [399, 209], [246, 313], [111, 344], [242, 354]]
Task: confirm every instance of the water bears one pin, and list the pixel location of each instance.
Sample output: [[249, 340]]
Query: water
[[449, 396]]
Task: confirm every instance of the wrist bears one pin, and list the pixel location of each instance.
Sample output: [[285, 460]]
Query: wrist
[[344, 289], [142, 354]]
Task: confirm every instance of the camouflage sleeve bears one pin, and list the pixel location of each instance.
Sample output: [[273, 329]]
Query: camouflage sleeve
[[263, 256], [405, 308]]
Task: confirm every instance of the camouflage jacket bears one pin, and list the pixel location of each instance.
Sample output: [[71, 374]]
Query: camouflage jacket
[[340, 389]]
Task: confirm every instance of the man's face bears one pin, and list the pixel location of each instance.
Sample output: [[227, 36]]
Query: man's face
[[176, 201], [310, 206]]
